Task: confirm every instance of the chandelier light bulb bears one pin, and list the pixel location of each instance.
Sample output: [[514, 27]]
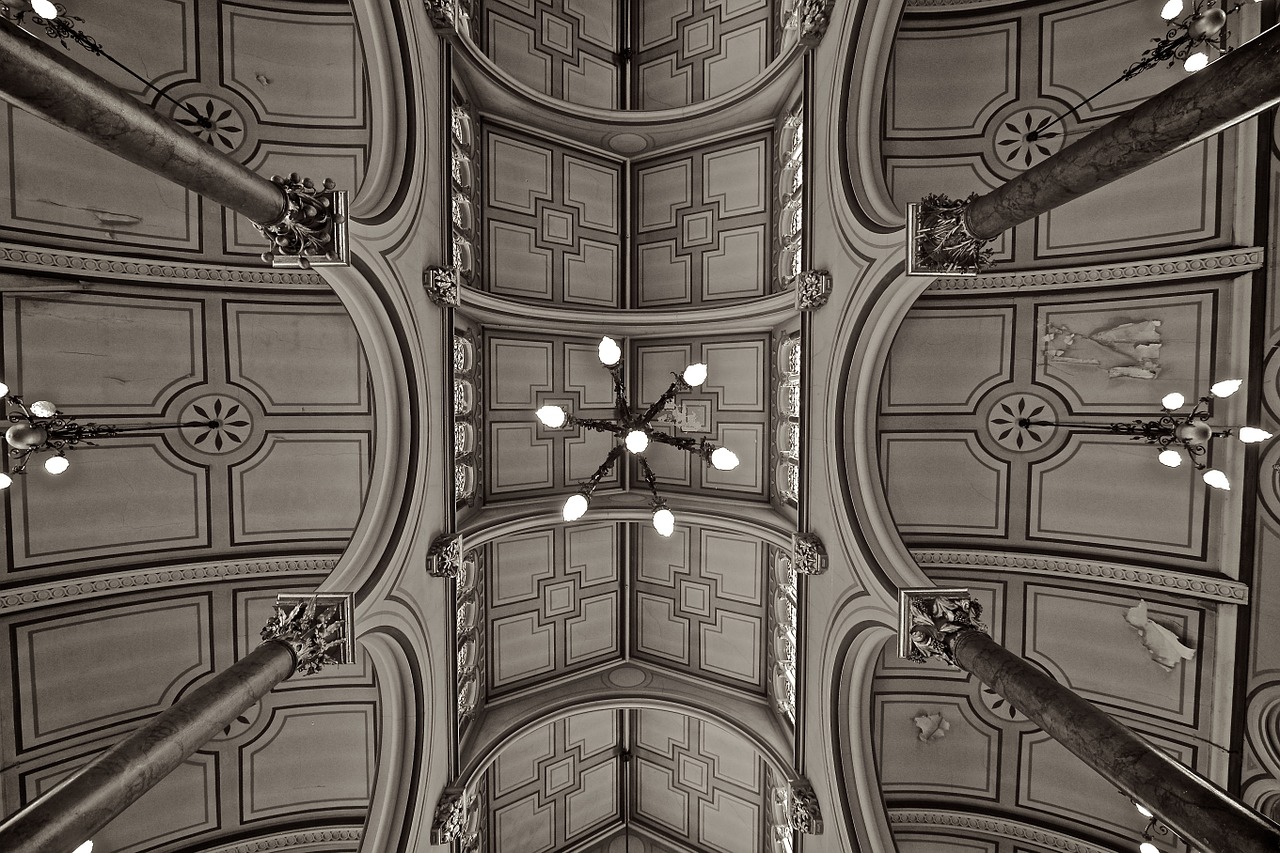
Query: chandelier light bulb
[[1173, 401], [610, 352], [1173, 459], [56, 464], [552, 416], [724, 459], [48, 11], [637, 441], [5, 481], [695, 374], [4, 390], [43, 409], [576, 507], [1194, 63], [87, 847], [1171, 10], [1252, 435], [1148, 847], [1217, 479], [1225, 388], [664, 521], [1143, 810]]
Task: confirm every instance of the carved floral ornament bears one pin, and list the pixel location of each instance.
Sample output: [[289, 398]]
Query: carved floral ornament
[[808, 555], [806, 815], [442, 286], [444, 557], [813, 289], [929, 620], [454, 819], [316, 627], [311, 230]]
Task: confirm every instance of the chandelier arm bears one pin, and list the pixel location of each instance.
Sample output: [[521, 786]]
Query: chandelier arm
[[621, 406], [676, 387], [650, 478], [686, 444], [605, 467], [595, 424]]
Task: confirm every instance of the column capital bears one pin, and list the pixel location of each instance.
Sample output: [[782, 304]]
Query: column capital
[[452, 819], [813, 289], [811, 19], [806, 815], [311, 230], [444, 557], [939, 241], [808, 554], [930, 619], [442, 286], [316, 627]]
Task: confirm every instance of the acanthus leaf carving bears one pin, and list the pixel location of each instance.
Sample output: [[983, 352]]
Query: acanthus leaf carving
[[808, 555], [316, 627], [930, 619], [442, 286], [444, 557]]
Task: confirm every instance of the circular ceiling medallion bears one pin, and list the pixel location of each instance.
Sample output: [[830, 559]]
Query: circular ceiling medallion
[[1014, 422], [212, 120], [628, 143], [1027, 137], [627, 676], [231, 424]]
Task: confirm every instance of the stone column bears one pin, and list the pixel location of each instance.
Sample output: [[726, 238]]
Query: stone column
[[305, 224], [943, 623], [947, 237], [306, 633]]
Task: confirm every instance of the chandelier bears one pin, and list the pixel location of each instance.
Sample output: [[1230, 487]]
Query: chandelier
[[1177, 434], [635, 432], [41, 428]]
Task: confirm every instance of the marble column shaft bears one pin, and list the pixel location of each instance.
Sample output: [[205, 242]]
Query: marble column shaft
[[1238, 85], [76, 808], [1204, 815], [42, 79]]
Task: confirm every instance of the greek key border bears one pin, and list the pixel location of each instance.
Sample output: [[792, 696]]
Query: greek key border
[[907, 819], [1213, 589], [38, 259], [114, 583], [1230, 261]]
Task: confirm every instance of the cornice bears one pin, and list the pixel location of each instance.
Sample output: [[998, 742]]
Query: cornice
[[39, 259], [114, 583], [290, 840], [1228, 261], [909, 819], [1222, 590]]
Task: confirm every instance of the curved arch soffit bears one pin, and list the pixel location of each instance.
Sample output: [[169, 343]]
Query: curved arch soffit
[[622, 699], [499, 92], [869, 30]]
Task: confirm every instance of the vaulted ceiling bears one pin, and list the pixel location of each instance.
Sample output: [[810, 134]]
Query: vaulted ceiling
[[631, 170]]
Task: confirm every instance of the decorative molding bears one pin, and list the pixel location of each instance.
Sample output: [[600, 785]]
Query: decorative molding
[[810, 18], [34, 259], [40, 595], [1231, 261], [442, 286], [808, 555], [449, 823], [444, 557], [311, 230], [930, 618], [813, 289], [806, 814], [289, 840], [317, 627], [1213, 589], [913, 819], [939, 241]]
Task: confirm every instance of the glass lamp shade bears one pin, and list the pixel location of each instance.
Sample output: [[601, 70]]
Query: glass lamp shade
[[1143, 810], [1225, 388], [5, 481], [48, 11], [87, 847], [1148, 847], [1196, 61], [1252, 435], [22, 436], [664, 521], [43, 409], [56, 464], [575, 507], [552, 416], [724, 459], [1173, 459], [4, 390], [1173, 401], [610, 352], [695, 374], [1217, 479], [637, 441], [1171, 10]]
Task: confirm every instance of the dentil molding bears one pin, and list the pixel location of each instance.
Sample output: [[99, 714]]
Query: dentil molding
[[37, 259]]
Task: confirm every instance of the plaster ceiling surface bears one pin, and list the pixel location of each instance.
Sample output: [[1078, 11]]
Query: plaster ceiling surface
[[152, 563]]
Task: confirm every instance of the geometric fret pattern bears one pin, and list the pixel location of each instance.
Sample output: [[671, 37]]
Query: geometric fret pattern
[[700, 604], [553, 605], [562, 48], [697, 781], [553, 221], [703, 227], [688, 51]]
